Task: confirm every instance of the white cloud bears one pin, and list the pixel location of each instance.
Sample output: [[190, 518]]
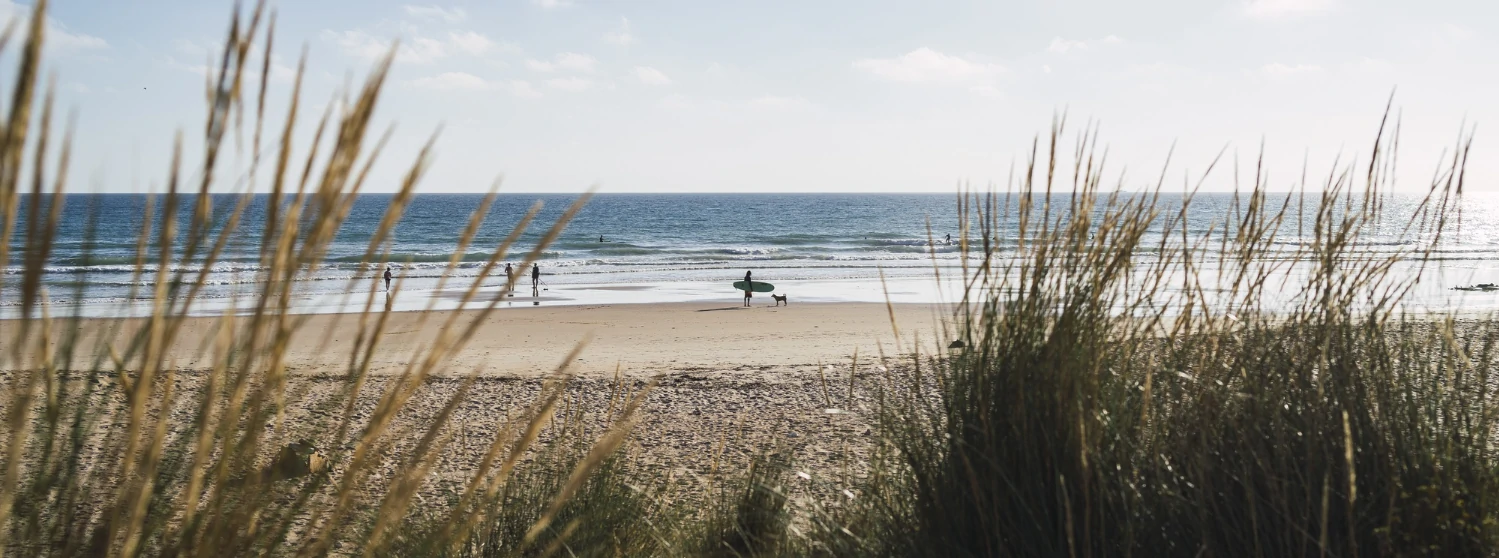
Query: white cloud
[[1063, 46], [779, 103], [201, 56], [549, 4], [1369, 65], [466, 82], [416, 50], [989, 91], [572, 84], [360, 44], [1278, 70], [762, 104], [1157, 68], [620, 36], [651, 76], [73, 42], [470, 42], [193, 50], [1274, 9], [567, 61], [437, 13], [58, 36], [675, 101], [1456, 33], [453, 81], [1045, 69], [925, 65], [523, 89]]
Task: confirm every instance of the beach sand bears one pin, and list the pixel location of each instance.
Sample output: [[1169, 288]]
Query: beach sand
[[731, 382], [638, 340]]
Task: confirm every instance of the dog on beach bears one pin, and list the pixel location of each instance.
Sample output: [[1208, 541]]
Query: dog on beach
[[780, 299]]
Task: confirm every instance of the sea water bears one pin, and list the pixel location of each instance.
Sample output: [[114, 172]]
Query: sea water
[[664, 248]]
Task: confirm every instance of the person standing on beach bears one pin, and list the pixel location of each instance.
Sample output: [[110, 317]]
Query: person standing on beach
[[387, 278], [509, 275], [748, 288], [535, 275]]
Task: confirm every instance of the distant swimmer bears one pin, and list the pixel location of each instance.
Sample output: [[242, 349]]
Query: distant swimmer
[[387, 278]]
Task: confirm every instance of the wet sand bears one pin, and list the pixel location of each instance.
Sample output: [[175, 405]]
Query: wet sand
[[638, 340]]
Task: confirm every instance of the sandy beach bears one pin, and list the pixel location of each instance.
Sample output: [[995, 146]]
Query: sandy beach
[[732, 381], [638, 340]]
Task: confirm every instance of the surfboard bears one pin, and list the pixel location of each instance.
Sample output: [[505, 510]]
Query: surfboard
[[756, 286]]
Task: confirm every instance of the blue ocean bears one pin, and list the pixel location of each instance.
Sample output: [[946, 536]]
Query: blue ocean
[[624, 248]]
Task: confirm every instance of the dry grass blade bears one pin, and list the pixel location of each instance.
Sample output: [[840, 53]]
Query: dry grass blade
[[601, 450]]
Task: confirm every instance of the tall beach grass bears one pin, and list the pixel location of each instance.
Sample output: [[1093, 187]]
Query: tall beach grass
[[1113, 398]]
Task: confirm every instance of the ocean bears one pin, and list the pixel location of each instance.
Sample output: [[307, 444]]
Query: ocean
[[658, 248]]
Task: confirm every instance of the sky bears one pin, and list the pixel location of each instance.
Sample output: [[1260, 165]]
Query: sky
[[805, 95]]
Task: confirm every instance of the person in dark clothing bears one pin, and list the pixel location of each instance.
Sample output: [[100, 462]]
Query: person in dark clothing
[[509, 275], [387, 278], [535, 275], [748, 288]]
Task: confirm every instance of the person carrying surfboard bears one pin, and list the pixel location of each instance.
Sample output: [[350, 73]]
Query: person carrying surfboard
[[748, 285]]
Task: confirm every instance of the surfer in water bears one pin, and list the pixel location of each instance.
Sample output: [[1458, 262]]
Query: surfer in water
[[949, 238], [387, 278], [601, 238], [748, 288]]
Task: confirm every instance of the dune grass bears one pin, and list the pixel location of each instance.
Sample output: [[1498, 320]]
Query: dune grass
[[1125, 386], [1110, 403]]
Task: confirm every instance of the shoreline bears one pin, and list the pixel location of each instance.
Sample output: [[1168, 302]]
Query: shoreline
[[903, 290]]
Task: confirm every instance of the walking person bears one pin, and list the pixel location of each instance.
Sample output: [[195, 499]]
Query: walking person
[[509, 276], [748, 288], [387, 278]]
